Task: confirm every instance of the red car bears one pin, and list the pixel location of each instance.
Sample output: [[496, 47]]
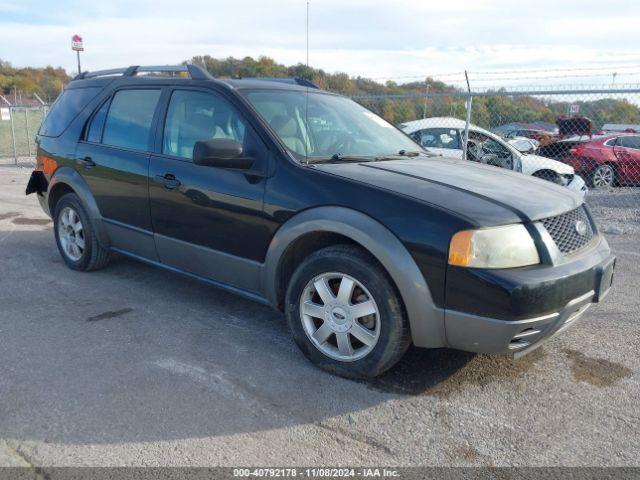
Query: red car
[[608, 160]]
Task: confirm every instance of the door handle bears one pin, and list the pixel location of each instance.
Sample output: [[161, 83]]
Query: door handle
[[86, 162], [169, 180]]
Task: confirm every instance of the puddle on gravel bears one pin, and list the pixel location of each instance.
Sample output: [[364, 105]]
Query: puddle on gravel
[[30, 221], [109, 314], [596, 371], [443, 372]]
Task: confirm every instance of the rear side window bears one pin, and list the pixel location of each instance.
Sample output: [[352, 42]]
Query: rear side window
[[65, 109], [128, 122], [94, 133], [629, 142]]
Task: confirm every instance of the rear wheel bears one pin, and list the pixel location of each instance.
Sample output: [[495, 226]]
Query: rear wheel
[[76, 239], [603, 176], [345, 314]]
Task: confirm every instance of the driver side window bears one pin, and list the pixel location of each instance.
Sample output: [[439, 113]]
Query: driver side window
[[487, 150], [439, 138], [195, 115]]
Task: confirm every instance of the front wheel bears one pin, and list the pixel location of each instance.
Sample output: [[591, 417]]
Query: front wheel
[[345, 314]]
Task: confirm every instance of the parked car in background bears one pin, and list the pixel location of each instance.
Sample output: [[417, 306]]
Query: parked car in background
[[443, 135], [608, 160], [621, 128], [524, 145], [527, 133], [571, 131]]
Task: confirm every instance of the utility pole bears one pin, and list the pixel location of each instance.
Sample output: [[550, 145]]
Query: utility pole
[[426, 97], [465, 145]]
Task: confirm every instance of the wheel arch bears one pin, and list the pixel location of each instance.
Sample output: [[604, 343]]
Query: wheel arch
[[67, 180], [323, 226]]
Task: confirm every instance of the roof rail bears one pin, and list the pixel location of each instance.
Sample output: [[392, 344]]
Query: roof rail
[[194, 71], [291, 80]]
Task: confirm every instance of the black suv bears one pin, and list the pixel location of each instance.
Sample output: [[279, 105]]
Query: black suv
[[308, 202]]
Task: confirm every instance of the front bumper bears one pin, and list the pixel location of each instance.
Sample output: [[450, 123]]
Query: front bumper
[[524, 307]]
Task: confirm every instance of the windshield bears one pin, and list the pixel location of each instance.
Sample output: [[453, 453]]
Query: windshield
[[321, 126]]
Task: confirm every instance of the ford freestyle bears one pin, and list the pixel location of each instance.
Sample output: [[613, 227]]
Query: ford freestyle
[[306, 201]]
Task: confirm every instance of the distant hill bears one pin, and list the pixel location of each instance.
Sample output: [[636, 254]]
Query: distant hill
[[487, 111], [47, 82]]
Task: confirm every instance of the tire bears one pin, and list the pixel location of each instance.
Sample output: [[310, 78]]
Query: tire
[[71, 226], [603, 176], [377, 340]]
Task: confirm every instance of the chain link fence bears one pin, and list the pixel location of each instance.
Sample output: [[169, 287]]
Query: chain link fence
[[587, 140], [18, 127]]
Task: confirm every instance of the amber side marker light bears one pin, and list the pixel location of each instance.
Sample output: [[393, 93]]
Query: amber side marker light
[[46, 165]]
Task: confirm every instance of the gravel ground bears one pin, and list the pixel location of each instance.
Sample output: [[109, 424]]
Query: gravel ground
[[133, 365]]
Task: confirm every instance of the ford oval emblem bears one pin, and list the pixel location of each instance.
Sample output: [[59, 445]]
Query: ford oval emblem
[[581, 228]]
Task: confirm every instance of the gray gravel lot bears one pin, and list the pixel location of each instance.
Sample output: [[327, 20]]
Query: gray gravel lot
[[133, 365]]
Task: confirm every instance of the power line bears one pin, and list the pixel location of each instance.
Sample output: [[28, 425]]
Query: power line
[[588, 75], [550, 70], [501, 74]]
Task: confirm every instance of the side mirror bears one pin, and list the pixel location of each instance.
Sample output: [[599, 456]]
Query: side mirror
[[222, 153]]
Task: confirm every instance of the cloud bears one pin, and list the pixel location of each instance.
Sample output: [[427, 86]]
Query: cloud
[[377, 39]]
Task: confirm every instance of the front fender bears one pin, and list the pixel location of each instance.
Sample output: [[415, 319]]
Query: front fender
[[534, 163], [68, 176], [425, 319]]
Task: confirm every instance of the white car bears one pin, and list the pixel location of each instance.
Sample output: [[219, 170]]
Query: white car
[[443, 135], [524, 144]]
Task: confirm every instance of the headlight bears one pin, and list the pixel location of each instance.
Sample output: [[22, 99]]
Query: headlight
[[498, 247]]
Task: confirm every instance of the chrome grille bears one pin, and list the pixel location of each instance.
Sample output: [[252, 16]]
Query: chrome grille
[[564, 230]]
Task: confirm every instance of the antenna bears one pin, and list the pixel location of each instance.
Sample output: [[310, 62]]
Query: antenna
[[306, 106], [307, 34]]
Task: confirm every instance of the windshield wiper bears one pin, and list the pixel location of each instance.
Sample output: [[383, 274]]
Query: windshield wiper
[[338, 157], [408, 153], [402, 153]]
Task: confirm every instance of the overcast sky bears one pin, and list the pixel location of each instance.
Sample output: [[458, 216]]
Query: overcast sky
[[368, 38]]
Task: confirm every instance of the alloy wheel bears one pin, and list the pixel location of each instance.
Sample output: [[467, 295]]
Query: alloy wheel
[[340, 316], [71, 234], [603, 176]]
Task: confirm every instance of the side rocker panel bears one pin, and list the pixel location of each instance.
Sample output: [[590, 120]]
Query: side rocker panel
[[425, 319]]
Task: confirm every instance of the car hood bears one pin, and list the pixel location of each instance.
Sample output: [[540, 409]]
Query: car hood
[[483, 195], [533, 163]]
